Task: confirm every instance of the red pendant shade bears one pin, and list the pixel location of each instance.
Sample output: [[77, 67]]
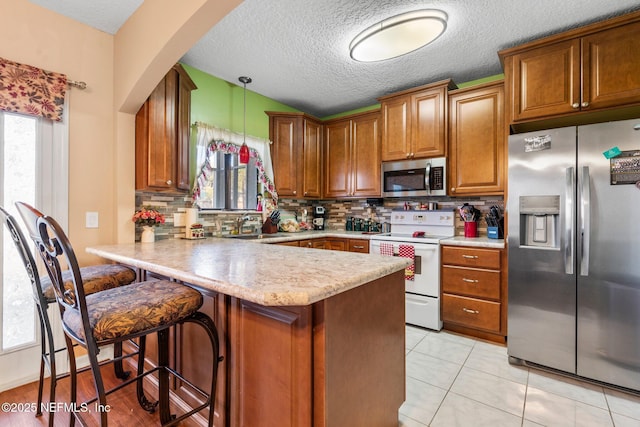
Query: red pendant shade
[[244, 154]]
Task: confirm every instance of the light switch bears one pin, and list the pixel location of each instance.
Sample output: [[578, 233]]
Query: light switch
[[91, 220]]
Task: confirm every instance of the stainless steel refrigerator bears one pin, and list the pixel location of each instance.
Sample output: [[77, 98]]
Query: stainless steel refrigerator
[[574, 250]]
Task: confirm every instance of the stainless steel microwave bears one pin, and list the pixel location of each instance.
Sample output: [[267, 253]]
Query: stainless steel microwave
[[412, 178]]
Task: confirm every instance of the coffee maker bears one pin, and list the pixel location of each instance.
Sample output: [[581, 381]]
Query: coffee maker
[[318, 218]]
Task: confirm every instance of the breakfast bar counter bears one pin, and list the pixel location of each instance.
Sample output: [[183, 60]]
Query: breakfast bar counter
[[309, 337]]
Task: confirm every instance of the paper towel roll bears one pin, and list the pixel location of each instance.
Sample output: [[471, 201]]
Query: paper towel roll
[[190, 217]]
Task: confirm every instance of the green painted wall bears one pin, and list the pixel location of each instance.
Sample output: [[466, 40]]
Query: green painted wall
[[357, 110], [480, 81], [220, 103]]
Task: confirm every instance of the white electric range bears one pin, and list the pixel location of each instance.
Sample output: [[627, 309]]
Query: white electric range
[[421, 230]]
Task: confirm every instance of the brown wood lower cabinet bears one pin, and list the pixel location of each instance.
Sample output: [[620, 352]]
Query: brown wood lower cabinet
[[313, 243], [294, 243], [337, 362], [472, 312], [359, 245], [332, 243], [474, 291], [336, 244], [273, 347]]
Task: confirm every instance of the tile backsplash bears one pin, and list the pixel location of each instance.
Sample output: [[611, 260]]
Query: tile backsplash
[[337, 211]]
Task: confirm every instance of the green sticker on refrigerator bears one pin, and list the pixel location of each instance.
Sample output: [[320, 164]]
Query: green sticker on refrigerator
[[612, 152]]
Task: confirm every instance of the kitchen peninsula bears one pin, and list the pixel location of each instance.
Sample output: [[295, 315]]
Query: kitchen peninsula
[[309, 338]]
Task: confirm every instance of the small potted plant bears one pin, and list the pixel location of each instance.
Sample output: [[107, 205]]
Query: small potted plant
[[148, 218]]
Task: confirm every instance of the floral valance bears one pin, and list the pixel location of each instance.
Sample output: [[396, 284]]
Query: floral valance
[[231, 148], [210, 138], [30, 90]]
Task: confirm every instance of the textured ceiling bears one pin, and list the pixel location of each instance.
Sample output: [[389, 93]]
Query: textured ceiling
[[104, 15], [296, 51]]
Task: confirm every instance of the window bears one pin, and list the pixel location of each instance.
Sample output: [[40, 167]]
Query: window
[[33, 169], [18, 166], [229, 184]]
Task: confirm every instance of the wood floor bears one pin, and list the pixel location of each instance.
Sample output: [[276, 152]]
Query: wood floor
[[124, 408]]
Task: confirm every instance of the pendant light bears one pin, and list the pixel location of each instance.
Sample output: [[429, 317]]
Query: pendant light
[[244, 150]]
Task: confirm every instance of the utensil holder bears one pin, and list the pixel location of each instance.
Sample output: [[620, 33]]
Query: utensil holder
[[471, 229], [268, 227], [496, 232]]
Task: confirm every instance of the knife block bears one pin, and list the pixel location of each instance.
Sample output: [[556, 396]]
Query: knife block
[[268, 227], [496, 232]]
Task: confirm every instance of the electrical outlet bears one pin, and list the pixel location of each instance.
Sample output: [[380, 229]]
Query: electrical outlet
[[91, 220]]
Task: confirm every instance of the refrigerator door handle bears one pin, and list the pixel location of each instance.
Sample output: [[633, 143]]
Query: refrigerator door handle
[[585, 221], [568, 220]]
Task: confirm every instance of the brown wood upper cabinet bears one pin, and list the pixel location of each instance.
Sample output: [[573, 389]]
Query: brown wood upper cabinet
[[296, 154], [477, 140], [162, 134], [584, 70], [414, 122], [352, 156]]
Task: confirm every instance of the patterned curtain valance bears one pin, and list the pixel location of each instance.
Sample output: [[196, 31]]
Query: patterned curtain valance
[[30, 90]]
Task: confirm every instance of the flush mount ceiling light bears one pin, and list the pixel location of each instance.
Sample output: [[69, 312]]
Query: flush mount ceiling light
[[398, 35]]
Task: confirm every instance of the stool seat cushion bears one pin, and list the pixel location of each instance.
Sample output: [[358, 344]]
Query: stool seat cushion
[[127, 310], [95, 278]]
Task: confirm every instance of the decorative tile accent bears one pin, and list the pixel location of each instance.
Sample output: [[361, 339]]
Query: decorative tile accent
[[336, 216]]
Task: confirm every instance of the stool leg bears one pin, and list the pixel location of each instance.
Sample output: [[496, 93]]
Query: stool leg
[[73, 376], [43, 354], [53, 378], [97, 380], [142, 398], [45, 328], [163, 376], [118, 365], [209, 326]]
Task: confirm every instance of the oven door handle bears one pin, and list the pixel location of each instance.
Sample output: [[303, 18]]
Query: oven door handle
[[418, 247]]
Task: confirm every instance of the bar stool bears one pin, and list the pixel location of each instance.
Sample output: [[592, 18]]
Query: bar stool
[[96, 278], [120, 314]]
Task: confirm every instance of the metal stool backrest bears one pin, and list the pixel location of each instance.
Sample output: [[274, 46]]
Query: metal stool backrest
[[56, 251], [29, 262]]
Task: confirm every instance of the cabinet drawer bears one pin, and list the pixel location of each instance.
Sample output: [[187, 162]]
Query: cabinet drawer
[[359, 245], [471, 257], [471, 282], [471, 312], [336, 244]]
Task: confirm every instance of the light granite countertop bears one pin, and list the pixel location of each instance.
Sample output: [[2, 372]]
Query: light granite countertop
[[270, 275], [479, 242]]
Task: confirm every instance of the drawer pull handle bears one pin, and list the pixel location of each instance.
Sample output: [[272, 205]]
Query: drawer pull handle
[[358, 246], [464, 279], [470, 256], [467, 310]]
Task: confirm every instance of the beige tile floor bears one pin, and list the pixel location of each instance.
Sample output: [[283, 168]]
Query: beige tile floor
[[458, 381]]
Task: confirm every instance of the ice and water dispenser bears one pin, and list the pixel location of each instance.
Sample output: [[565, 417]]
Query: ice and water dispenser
[[539, 221]]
